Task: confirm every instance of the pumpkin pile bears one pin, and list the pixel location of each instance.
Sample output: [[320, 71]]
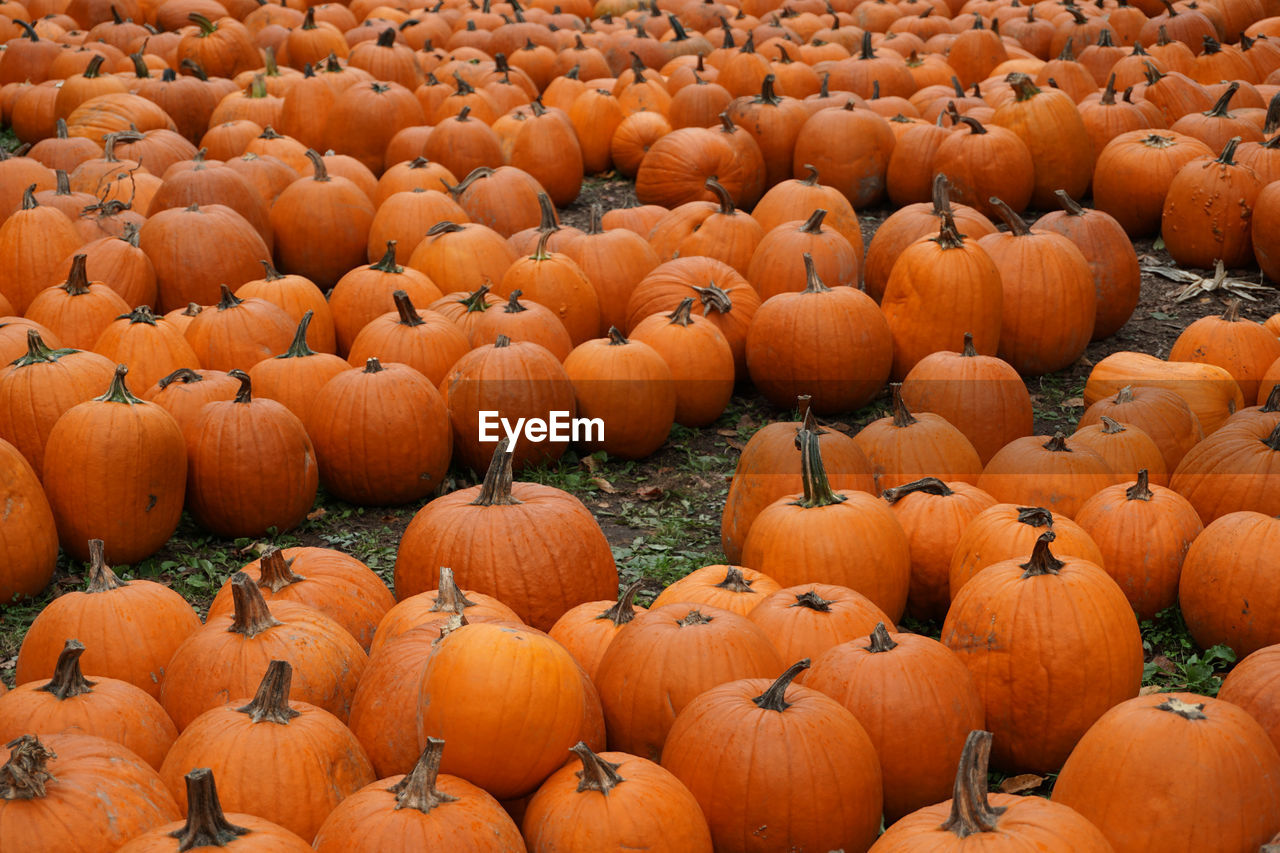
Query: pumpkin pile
[[250, 250]]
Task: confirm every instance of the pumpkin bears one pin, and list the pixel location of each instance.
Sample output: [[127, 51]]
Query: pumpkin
[[508, 753], [208, 827], [775, 122], [614, 262], [1133, 175], [554, 280], [917, 703], [1242, 347], [1008, 531], [105, 707], [587, 630], [198, 181], [586, 808], [462, 257], [1198, 225], [33, 241], [294, 377], [523, 321], [367, 292], [78, 792], [1091, 617], [851, 358], [1222, 589], [438, 606], [37, 388], [1057, 472], [1225, 762], [29, 539], [676, 168], [769, 469], [902, 447], [296, 295], [98, 487], [625, 393], [733, 588], [796, 539], [809, 619], [1000, 822], [197, 249], [711, 229], [420, 810], [700, 647], [773, 269], [228, 656], [336, 584], [1210, 392], [239, 333], [1251, 685], [349, 422], [1231, 470], [1127, 449], [321, 224], [1049, 123], [798, 197], [780, 792], [969, 157], [151, 345], [494, 557], [78, 310], [857, 164], [1264, 217], [430, 344], [272, 742]]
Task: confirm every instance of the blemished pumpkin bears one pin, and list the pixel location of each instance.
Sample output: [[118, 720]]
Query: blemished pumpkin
[[1223, 590]]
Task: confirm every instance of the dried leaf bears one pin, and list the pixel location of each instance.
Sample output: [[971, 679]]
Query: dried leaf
[[727, 432], [1074, 402], [1164, 664], [1019, 784], [590, 463], [736, 445], [649, 493], [1149, 689], [317, 514], [604, 485]]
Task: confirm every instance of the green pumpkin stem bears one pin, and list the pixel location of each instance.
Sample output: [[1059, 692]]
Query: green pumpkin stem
[[418, 789], [817, 490], [251, 616], [596, 774], [118, 391], [67, 679], [927, 485], [271, 703], [774, 699], [299, 348], [206, 825], [1024, 87], [971, 811], [24, 775], [38, 352], [274, 572], [496, 488], [1042, 561], [880, 640]]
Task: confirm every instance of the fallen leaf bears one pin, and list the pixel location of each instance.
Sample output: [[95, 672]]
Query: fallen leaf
[[746, 422], [590, 463], [1074, 402], [1019, 784], [736, 445], [649, 493], [604, 485], [727, 432], [1164, 664], [317, 514], [1149, 689]]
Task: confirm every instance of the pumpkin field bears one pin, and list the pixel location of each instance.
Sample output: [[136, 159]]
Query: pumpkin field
[[690, 426]]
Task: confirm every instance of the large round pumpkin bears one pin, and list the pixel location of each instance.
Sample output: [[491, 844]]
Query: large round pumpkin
[[1225, 590]]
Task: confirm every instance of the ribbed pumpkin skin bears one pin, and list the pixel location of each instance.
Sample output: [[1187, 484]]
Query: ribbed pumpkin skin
[[1049, 122], [237, 334], [665, 658], [1133, 174], [715, 586], [151, 346], [29, 536], [1093, 654], [627, 386], [110, 708], [321, 225], [426, 608], [1225, 589], [1223, 765], [1043, 471], [1160, 413], [917, 703], [1238, 345], [1207, 212], [1143, 534], [539, 555], [1210, 392], [263, 837], [806, 620], [513, 748], [101, 487], [588, 629], [646, 809], [903, 447], [1232, 470], [1026, 823], [335, 583], [215, 665], [257, 764], [194, 251], [700, 359], [1007, 531], [427, 342], [381, 435], [101, 795], [1254, 685], [804, 778]]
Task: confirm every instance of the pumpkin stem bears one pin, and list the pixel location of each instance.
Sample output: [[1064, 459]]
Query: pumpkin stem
[[766, 95], [1228, 155], [813, 284], [317, 162], [927, 485], [252, 616], [1017, 226], [449, 597], [594, 222], [299, 348], [1272, 403], [971, 811], [1272, 121], [270, 273], [387, 263], [1024, 87], [274, 572], [1139, 491], [714, 299], [774, 699], [29, 198], [817, 490], [1042, 561], [23, 776], [548, 223], [726, 200], [141, 314], [67, 679], [624, 610], [813, 225], [228, 299], [1273, 440], [1057, 444], [941, 194], [694, 617], [186, 376], [513, 305], [1186, 710], [206, 825], [409, 315], [810, 600], [271, 703], [1108, 98], [734, 581], [596, 773], [1219, 109], [1232, 312], [1067, 203], [245, 394], [949, 236], [496, 488], [968, 351], [540, 251], [38, 352], [117, 391], [902, 417], [616, 338], [811, 179], [1035, 516], [372, 365], [880, 640], [683, 315], [1125, 395]]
